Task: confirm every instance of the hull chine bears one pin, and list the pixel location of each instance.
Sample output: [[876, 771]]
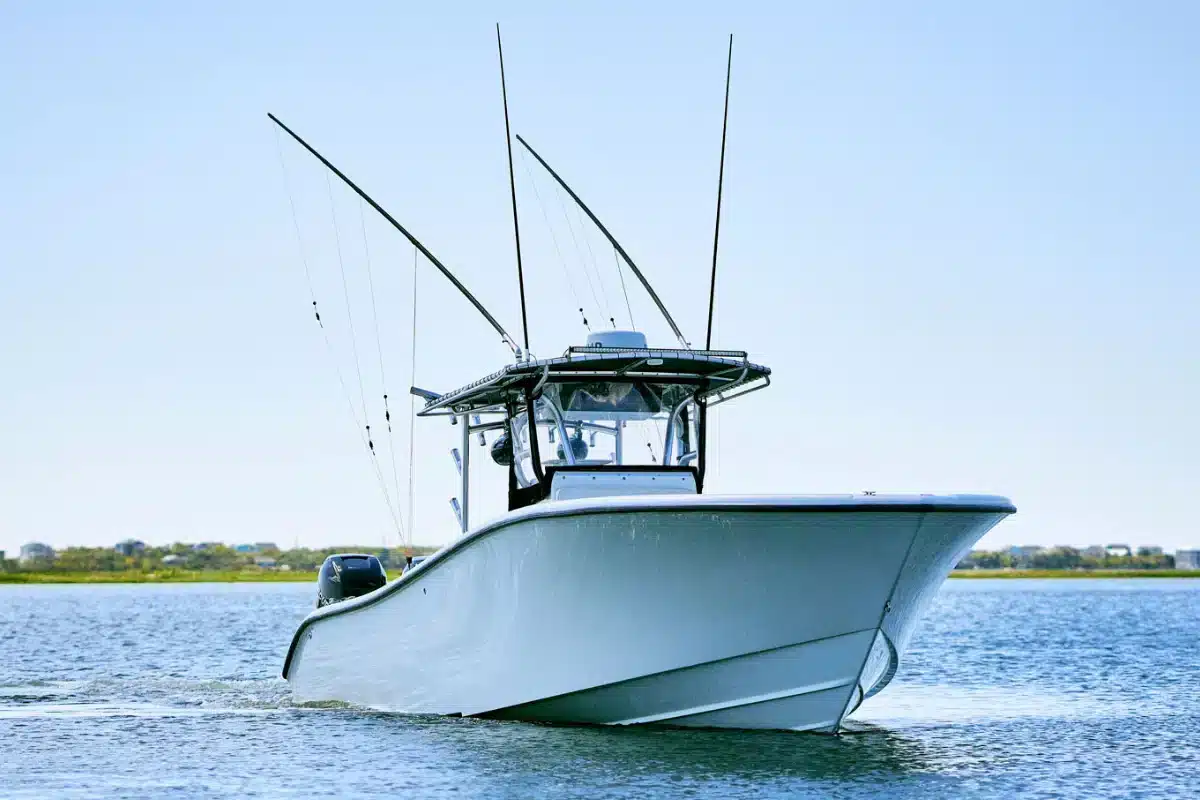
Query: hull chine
[[755, 690]]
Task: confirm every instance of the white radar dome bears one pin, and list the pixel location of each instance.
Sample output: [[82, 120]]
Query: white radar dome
[[630, 340]]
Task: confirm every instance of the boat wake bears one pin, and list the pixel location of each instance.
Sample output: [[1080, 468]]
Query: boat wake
[[910, 707], [152, 697]]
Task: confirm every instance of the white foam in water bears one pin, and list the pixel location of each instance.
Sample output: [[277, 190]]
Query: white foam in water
[[902, 706]]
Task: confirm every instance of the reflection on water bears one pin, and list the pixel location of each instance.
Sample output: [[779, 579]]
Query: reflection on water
[[715, 754], [1012, 688]]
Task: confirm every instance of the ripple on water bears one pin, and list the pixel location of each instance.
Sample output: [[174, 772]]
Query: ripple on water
[[1012, 689]]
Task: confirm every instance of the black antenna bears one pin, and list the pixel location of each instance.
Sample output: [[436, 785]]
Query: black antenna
[[617, 245], [415, 242], [712, 288], [512, 184]]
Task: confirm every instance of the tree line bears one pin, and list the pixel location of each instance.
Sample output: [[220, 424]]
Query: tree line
[[207, 558], [1065, 558]]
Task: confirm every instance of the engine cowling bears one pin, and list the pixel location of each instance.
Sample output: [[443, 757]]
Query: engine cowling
[[346, 575]]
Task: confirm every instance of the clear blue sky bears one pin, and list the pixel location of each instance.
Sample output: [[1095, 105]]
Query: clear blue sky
[[964, 237]]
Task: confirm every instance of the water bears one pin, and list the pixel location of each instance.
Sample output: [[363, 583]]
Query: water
[[1074, 688]]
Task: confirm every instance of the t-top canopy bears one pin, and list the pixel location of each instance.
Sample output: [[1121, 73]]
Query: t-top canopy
[[717, 375]]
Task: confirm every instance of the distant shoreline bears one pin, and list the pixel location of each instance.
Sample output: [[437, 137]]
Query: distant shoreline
[[970, 574], [298, 576], [171, 576]]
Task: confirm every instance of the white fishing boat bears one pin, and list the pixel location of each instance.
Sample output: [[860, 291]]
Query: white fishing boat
[[616, 590], [619, 593]]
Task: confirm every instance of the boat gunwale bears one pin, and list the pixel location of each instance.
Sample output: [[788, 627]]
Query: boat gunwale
[[802, 504]]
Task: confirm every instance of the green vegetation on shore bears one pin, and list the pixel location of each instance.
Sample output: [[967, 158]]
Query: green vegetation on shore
[[1074, 573], [165, 576], [133, 561], [1068, 560], [305, 576]]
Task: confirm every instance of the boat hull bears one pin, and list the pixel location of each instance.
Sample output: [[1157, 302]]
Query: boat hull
[[696, 611]]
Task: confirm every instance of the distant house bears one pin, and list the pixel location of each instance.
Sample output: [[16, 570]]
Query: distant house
[[173, 560], [35, 552], [1187, 559], [265, 562], [1118, 550], [1023, 554], [130, 547], [246, 548], [262, 546], [1095, 551]]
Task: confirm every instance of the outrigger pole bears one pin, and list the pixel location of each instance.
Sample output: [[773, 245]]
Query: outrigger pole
[[617, 245], [415, 242], [512, 184], [712, 288], [702, 410]]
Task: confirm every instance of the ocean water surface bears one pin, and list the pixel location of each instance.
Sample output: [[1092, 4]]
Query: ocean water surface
[[1012, 688]]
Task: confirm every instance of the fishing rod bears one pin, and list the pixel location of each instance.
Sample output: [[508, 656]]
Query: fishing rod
[[712, 288], [512, 184], [702, 407], [616, 245], [508, 340]]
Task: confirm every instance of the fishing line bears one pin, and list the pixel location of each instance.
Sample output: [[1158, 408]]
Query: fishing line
[[624, 291], [603, 309], [325, 332], [595, 264], [412, 403], [387, 412], [362, 392], [562, 261], [337, 238], [287, 185], [587, 240]]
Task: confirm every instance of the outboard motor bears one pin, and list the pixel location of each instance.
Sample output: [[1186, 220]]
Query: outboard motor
[[347, 575]]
